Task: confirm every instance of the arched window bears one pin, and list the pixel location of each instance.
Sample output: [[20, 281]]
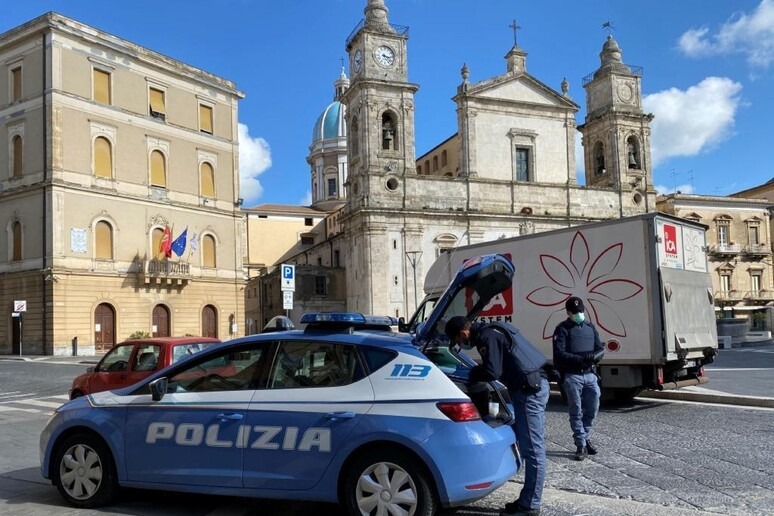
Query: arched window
[[444, 159], [208, 251], [103, 157], [427, 166], [16, 231], [435, 163], [633, 153], [18, 156], [599, 158], [158, 166], [103, 241], [355, 137], [389, 132], [207, 180], [419, 169], [156, 237]]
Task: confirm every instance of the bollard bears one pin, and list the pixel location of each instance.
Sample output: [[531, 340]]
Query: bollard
[[75, 346]]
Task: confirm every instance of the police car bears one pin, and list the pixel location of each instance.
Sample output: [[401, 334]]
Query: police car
[[342, 411]]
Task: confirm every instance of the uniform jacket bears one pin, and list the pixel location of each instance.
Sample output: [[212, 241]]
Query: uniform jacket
[[572, 342]]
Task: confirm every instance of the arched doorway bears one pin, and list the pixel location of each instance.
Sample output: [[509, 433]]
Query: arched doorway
[[104, 327], [209, 322], [160, 321]]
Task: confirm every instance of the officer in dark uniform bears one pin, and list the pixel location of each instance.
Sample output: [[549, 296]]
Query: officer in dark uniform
[[509, 357], [577, 348]]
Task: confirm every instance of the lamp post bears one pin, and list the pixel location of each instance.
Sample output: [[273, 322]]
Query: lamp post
[[413, 258]]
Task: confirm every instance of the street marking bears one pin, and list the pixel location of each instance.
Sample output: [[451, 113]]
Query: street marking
[[19, 409], [707, 404], [16, 396], [60, 397], [38, 403]]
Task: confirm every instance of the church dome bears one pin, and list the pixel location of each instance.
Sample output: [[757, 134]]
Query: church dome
[[331, 123]]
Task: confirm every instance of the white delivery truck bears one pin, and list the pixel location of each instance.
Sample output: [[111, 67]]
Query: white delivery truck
[[643, 280]]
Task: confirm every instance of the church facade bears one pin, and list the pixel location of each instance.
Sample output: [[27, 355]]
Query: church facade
[[509, 169]]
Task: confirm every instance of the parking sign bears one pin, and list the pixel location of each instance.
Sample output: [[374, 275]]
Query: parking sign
[[288, 277], [20, 306]]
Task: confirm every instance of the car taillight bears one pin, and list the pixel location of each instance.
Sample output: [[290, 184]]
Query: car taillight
[[459, 411]]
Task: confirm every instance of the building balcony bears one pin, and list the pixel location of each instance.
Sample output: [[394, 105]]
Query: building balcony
[[721, 249], [762, 296], [165, 272], [757, 250]]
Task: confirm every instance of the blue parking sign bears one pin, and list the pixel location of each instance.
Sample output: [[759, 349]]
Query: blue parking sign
[[288, 277]]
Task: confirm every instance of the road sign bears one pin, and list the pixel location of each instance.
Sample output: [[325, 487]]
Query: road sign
[[19, 306], [288, 277], [287, 300]]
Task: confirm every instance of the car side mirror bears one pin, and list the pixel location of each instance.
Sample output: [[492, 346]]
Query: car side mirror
[[158, 388], [90, 369]]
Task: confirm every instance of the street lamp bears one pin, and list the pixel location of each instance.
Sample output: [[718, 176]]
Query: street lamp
[[414, 257]]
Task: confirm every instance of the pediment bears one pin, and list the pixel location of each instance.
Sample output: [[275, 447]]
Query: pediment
[[520, 88]]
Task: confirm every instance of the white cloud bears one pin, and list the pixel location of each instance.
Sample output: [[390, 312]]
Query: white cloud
[[254, 159], [306, 200], [690, 121], [749, 34], [686, 189]]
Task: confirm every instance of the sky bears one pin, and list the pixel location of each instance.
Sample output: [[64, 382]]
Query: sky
[[707, 71]]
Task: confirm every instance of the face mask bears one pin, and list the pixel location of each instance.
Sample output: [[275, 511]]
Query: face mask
[[578, 318]]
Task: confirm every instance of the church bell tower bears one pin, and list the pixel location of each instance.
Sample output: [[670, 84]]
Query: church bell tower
[[380, 108], [616, 132]]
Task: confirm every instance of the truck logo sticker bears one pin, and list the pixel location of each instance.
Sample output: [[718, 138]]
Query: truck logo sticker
[[670, 240], [592, 280], [409, 371], [253, 437]]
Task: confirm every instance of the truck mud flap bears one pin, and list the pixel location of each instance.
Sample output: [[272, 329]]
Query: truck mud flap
[[682, 383]]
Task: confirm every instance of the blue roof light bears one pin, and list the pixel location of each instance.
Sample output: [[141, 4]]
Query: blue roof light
[[333, 317]]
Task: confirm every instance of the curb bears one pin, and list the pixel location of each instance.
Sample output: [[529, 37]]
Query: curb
[[726, 399]]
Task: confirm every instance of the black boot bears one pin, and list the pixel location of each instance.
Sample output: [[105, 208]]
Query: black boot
[[513, 509], [592, 450], [580, 453]]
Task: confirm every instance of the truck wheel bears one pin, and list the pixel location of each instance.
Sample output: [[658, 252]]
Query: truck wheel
[[84, 471], [384, 482]]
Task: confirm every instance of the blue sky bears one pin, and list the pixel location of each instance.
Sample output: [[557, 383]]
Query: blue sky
[[707, 70]]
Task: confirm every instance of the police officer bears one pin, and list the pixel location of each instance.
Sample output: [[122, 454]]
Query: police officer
[[509, 357], [577, 349]]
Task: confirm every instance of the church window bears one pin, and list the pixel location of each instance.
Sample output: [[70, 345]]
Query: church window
[[389, 133], [523, 164], [419, 170], [599, 158], [435, 163], [444, 159], [633, 153], [331, 187], [427, 166]]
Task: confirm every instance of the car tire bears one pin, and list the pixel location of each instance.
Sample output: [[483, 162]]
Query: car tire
[[75, 394], [369, 485], [84, 471]]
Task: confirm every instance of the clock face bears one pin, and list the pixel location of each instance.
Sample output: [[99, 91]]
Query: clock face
[[384, 55], [625, 92], [357, 61]]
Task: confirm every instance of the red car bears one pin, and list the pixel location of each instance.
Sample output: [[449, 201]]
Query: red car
[[131, 361]]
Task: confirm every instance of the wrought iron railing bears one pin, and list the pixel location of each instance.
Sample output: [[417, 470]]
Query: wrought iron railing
[[165, 268], [633, 69]]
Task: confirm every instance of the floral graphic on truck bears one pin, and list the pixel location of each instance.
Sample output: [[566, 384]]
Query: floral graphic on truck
[[592, 280]]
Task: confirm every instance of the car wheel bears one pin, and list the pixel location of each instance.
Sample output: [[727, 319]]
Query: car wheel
[[380, 482], [75, 394], [85, 471]]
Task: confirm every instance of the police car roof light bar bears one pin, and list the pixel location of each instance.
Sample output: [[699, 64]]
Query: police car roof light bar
[[333, 318]]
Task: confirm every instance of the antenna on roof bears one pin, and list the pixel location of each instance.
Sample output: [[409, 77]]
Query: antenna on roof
[[609, 26]]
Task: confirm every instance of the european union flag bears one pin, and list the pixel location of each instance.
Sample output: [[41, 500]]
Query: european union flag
[[178, 246]]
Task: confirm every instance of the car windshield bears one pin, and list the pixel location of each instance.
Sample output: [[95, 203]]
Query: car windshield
[[181, 351]]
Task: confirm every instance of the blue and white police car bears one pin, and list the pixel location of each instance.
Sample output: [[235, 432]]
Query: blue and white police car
[[342, 411]]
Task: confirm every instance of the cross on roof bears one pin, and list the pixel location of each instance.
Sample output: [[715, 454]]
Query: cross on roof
[[515, 28], [609, 26]]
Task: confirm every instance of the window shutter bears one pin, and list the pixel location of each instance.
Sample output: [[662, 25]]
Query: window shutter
[[158, 169], [208, 251], [103, 240], [17, 83], [157, 101], [103, 159], [18, 156], [101, 86], [207, 180], [158, 234], [205, 118]]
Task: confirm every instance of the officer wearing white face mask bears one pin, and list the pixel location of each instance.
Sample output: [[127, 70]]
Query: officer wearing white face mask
[[577, 349]]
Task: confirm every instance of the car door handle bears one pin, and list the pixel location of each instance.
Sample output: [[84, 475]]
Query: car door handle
[[229, 417], [339, 415]]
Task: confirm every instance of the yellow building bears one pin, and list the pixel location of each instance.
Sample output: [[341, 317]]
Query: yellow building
[[109, 144]]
